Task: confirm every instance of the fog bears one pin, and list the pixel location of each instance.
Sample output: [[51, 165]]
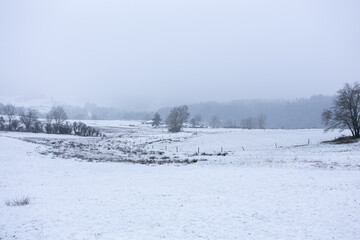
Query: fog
[[142, 55]]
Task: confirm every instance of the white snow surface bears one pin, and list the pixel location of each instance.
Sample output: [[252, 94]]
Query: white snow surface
[[258, 191]]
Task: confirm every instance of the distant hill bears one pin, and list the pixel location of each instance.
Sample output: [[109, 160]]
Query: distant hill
[[93, 112]]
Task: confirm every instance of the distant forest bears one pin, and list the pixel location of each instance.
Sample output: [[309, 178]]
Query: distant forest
[[292, 114], [301, 113]]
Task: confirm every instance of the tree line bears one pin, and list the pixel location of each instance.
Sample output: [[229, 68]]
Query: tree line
[[178, 118], [344, 113], [288, 114], [55, 123]]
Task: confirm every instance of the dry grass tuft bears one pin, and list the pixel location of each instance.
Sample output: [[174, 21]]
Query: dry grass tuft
[[18, 202]]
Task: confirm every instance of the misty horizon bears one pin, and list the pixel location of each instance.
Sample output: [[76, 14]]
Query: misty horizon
[[141, 55], [290, 114], [36, 101], [181, 119]]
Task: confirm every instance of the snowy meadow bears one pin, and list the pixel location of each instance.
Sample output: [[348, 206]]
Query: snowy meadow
[[140, 182]]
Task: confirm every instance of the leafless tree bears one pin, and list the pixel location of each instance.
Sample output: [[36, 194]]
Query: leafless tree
[[230, 124], [58, 115], [177, 117], [261, 121], [214, 122], [195, 121], [345, 113], [248, 123], [29, 118], [10, 111]]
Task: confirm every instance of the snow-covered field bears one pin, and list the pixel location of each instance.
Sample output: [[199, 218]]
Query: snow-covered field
[[198, 184]]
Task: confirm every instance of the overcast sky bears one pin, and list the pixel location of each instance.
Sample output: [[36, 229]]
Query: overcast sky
[[146, 54]]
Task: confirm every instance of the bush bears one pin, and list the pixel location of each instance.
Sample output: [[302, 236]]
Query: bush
[[81, 129], [2, 123], [48, 128], [38, 127], [30, 123], [65, 128]]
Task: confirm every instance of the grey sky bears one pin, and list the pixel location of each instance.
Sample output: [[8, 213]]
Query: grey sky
[[146, 54]]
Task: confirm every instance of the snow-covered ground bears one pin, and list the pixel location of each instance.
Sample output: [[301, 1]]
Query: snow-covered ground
[[271, 184]]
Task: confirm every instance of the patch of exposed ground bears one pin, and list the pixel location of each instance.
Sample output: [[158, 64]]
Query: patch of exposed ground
[[109, 150], [343, 140]]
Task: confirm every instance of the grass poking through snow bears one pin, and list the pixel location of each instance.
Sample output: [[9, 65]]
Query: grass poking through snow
[[18, 202]]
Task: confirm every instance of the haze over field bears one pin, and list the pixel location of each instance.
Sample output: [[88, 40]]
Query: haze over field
[[205, 119], [143, 55]]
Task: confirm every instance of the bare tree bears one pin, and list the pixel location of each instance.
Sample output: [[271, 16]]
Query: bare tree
[[177, 117], [345, 113], [261, 121], [248, 123], [10, 111], [195, 121], [29, 119], [58, 115], [230, 124], [214, 122]]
